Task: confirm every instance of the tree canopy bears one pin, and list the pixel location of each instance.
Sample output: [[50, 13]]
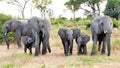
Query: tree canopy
[[112, 8], [73, 5]]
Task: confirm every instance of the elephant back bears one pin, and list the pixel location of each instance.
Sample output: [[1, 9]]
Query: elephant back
[[33, 22], [76, 32], [15, 24]]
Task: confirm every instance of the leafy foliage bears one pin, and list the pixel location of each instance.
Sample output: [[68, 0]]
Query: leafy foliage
[[4, 18], [73, 5], [113, 8], [42, 5]]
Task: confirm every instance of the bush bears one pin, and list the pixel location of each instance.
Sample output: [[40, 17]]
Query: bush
[[116, 23], [4, 18], [61, 20]]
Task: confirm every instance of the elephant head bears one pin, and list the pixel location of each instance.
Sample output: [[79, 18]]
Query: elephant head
[[102, 24], [10, 26], [81, 41], [42, 27]]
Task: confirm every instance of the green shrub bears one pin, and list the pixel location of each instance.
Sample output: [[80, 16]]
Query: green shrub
[[4, 18], [60, 20], [116, 23]]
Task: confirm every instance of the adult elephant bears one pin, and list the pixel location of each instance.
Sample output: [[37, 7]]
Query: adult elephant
[[101, 27], [42, 27], [81, 41], [20, 28], [67, 36]]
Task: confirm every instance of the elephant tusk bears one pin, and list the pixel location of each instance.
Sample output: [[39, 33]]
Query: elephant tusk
[[105, 31], [43, 35], [5, 34]]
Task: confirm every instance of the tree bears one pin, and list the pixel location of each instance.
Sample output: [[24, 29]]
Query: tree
[[21, 4], [94, 5], [42, 5], [113, 9], [73, 5]]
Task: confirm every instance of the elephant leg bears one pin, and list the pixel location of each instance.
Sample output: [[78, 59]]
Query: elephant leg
[[40, 45], [48, 44], [104, 45], [30, 49], [37, 40], [25, 49], [78, 49], [85, 49], [108, 43], [44, 50], [71, 47], [99, 46], [94, 45], [66, 48], [18, 38]]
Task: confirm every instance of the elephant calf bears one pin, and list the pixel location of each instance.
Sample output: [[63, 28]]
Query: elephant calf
[[67, 36], [81, 41], [28, 41]]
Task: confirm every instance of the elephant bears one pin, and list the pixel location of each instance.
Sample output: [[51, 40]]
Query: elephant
[[81, 41], [42, 27], [20, 28], [67, 36], [101, 29], [28, 41]]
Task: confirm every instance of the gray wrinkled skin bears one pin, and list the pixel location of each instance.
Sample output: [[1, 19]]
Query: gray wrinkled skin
[[42, 27], [20, 28], [28, 41], [81, 41], [67, 36], [101, 27]]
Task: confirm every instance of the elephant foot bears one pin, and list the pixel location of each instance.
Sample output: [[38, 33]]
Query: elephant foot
[[36, 54], [30, 53], [8, 48], [43, 53], [102, 52], [93, 53], [19, 47], [78, 53], [70, 53], [108, 54], [66, 54]]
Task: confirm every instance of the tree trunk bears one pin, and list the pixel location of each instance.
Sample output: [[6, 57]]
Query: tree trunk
[[73, 14], [23, 16], [98, 9], [93, 12]]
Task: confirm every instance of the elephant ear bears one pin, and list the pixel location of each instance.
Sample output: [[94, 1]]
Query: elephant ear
[[15, 24], [61, 33], [76, 32], [34, 23], [95, 26], [79, 40]]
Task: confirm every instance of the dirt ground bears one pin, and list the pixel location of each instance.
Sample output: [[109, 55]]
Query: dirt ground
[[16, 58]]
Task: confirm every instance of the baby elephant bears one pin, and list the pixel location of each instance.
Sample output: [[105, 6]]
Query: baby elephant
[[28, 41], [81, 41]]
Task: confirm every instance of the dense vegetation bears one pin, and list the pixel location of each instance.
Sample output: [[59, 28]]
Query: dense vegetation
[[84, 24]]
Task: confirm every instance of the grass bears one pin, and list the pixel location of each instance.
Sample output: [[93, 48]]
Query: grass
[[18, 59]]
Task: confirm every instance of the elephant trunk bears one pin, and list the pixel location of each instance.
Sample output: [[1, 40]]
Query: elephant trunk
[[6, 39]]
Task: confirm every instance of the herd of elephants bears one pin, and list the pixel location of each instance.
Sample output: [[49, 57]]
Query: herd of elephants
[[36, 30]]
